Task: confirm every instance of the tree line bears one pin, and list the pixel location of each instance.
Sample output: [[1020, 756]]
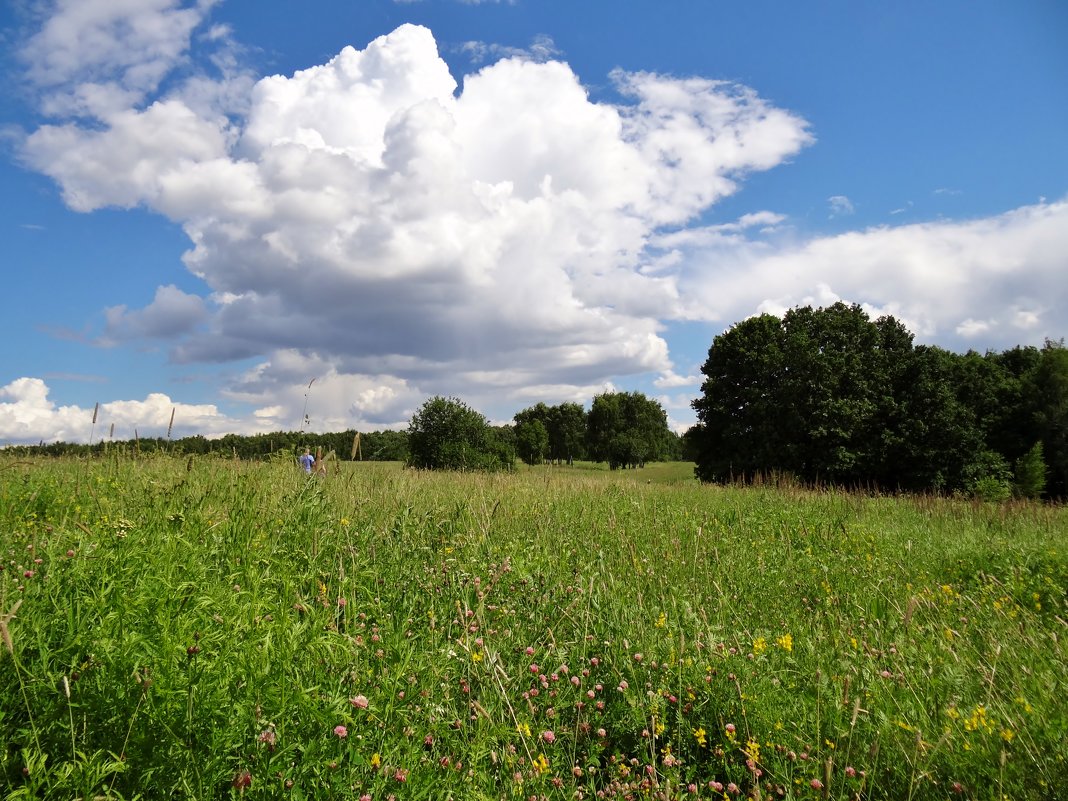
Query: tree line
[[625, 429], [829, 395]]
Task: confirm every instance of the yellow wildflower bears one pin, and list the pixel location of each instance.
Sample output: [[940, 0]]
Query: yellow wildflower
[[700, 735], [786, 642], [759, 645]]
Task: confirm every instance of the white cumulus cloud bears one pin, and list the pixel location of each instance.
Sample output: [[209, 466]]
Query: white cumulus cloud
[[393, 232]]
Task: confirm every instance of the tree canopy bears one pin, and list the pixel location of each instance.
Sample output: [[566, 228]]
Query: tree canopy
[[445, 433], [627, 429], [828, 395]]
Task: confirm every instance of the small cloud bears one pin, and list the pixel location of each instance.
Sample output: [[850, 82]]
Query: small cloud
[[945, 191], [1026, 318], [972, 328], [31, 227], [841, 206], [542, 48], [671, 380]]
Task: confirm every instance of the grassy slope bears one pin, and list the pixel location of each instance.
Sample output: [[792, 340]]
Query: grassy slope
[[214, 618]]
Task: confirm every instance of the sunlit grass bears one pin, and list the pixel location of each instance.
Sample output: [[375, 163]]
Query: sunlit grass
[[211, 628]]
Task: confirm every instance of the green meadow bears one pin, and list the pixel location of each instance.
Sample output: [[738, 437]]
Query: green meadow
[[207, 628]]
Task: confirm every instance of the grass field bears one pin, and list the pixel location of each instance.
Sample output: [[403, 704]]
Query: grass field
[[213, 629]]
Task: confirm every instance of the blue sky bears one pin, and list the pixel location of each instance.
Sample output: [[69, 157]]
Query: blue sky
[[208, 204]]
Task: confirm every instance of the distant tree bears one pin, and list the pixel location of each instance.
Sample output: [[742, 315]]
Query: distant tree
[[1049, 387], [532, 441], [565, 426], [829, 395], [626, 429], [384, 446], [445, 433], [567, 433], [742, 429], [1029, 477]]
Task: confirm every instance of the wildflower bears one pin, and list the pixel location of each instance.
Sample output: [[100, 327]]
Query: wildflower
[[661, 621], [342, 603], [759, 645], [541, 764], [548, 736], [476, 656], [638, 657], [700, 735], [731, 729], [523, 729], [359, 701], [242, 780], [341, 731], [786, 642], [268, 737], [376, 760], [752, 748], [400, 775]]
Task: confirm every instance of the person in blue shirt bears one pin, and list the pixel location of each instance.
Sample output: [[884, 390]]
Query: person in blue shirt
[[306, 461]]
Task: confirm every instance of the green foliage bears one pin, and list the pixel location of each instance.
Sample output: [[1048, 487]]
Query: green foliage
[[627, 429], [182, 631], [1030, 475], [386, 446], [1049, 385], [446, 434], [827, 395], [565, 426], [532, 441], [989, 478]]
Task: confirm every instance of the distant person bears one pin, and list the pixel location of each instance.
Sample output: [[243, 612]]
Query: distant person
[[306, 461]]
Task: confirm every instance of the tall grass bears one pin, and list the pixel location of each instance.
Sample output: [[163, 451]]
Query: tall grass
[[211, 629]]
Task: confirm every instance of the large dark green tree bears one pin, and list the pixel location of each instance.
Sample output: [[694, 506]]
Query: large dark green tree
[[627, 429], [445, 433], [1049, 386], [829, 395], [741, 430]]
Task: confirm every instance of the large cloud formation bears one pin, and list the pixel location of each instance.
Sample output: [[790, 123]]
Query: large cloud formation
[[365, 219], [369, 222]]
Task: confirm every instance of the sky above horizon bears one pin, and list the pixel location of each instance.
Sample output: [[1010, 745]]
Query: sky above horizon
[[244, 212]]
